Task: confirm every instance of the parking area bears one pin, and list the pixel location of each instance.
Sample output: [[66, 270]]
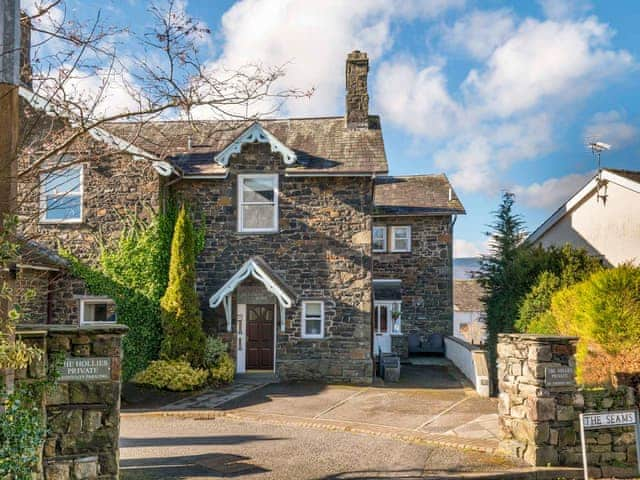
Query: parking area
[[429, 399]]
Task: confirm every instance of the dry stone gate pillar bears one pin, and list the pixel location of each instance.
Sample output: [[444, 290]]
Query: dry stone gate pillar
[[538, 398], [539, 406], [83, 411]]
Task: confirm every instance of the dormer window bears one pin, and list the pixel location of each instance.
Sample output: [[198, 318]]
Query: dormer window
[[258, 203], [61, 195]]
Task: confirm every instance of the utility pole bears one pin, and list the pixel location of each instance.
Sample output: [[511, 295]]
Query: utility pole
[[9, 125]]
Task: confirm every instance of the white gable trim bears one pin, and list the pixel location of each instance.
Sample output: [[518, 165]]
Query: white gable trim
[[256, 133], [40, 103], [249, 268], [573, 202]]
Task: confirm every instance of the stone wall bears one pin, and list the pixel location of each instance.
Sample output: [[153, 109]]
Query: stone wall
[[322, 251], [540, 423], [83, 417], [48, 296], [116, 188], [426, 274]]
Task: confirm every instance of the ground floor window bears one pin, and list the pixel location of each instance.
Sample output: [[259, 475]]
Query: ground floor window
[[97, 310], [387, 317], [312, 319]]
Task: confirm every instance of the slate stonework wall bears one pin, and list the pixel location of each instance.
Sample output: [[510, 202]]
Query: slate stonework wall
[[49, 296], [539, 424], [83, 418], [426, 274], [116, 190], [323, 251]]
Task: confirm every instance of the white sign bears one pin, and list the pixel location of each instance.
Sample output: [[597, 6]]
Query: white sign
[[609, 419], [591, 421]]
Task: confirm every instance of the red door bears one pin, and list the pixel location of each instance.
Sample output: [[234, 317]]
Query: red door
[[260, 331]]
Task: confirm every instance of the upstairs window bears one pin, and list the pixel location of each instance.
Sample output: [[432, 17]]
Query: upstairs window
[[312, 319], [379, 239], [61, 195], [258, 203], [400, 239]]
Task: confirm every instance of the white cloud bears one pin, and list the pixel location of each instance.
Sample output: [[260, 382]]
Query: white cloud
[[466, 249], [553, 192], [313, 39], [611, 127], [480, 32], [561, 9], [417, 99], [504, 110], [545, 61]]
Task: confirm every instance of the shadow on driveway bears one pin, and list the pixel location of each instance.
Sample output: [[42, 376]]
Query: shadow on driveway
[[185, 441], [193, 466]]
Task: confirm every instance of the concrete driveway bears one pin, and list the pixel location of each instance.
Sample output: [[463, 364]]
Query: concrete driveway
[[429, 399]]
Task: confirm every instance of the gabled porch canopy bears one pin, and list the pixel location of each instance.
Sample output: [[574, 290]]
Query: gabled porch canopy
[[256, 133], [261, 271]]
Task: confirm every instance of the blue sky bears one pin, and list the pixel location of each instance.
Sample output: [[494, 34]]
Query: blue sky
[[498, 95]]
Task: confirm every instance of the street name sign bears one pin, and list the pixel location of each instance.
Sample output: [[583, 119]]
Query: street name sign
[[85, 369], [615, 419]]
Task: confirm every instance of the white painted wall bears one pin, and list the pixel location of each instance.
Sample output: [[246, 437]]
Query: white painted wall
[[610, 229], [476, 323], [471, 361]]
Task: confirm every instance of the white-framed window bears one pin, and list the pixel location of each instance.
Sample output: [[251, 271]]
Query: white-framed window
[[379, 242], [401, 239], [61, 195], [258, 203], [312, 319], [387, 318], [97, 310]]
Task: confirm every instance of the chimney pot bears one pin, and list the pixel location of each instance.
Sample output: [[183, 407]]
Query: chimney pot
[[357, 98]]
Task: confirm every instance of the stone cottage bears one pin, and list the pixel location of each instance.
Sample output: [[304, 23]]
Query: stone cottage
[[315, 260]]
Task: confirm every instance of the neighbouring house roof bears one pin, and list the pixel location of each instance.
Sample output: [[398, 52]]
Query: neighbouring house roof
[[387, 290], [321, 146], [416, 195], [625, 178], [467, 296]]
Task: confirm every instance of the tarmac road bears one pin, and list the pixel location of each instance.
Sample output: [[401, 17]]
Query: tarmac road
[[159, 447]]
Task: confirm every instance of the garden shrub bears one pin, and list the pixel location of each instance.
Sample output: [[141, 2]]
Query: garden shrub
[[214, 349], [174, 375], [181, 316], [604, 311], [224, 371]]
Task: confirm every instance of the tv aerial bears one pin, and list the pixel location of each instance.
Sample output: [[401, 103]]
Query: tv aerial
[[596, 149]]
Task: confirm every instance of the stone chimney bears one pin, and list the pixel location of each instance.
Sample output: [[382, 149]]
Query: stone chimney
[[357, 102], [25, 50]]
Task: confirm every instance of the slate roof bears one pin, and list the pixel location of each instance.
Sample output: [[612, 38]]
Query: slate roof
[[628, 174], [415, 195], [31, 253], [467, 296], [322, 145]]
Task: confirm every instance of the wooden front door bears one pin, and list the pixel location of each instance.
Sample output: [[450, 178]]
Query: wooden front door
[[260, 331]]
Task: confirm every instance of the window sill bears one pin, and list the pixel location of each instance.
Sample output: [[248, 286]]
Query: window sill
[[309, 337], [60, 222]]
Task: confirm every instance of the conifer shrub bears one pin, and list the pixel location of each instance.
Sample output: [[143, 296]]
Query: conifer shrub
[[215, 348], [181, 318]]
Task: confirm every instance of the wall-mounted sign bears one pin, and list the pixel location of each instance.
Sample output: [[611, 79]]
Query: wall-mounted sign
[[559, 377], [85, 369], [592, 421]]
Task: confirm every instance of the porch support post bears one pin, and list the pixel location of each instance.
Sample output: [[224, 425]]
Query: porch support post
[[226, 301], [283, 316]]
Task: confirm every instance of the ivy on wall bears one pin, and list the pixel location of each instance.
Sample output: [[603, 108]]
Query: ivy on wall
[[135, 273]]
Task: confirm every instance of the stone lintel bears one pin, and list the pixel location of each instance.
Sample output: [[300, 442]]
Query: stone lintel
[[114, 329]]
